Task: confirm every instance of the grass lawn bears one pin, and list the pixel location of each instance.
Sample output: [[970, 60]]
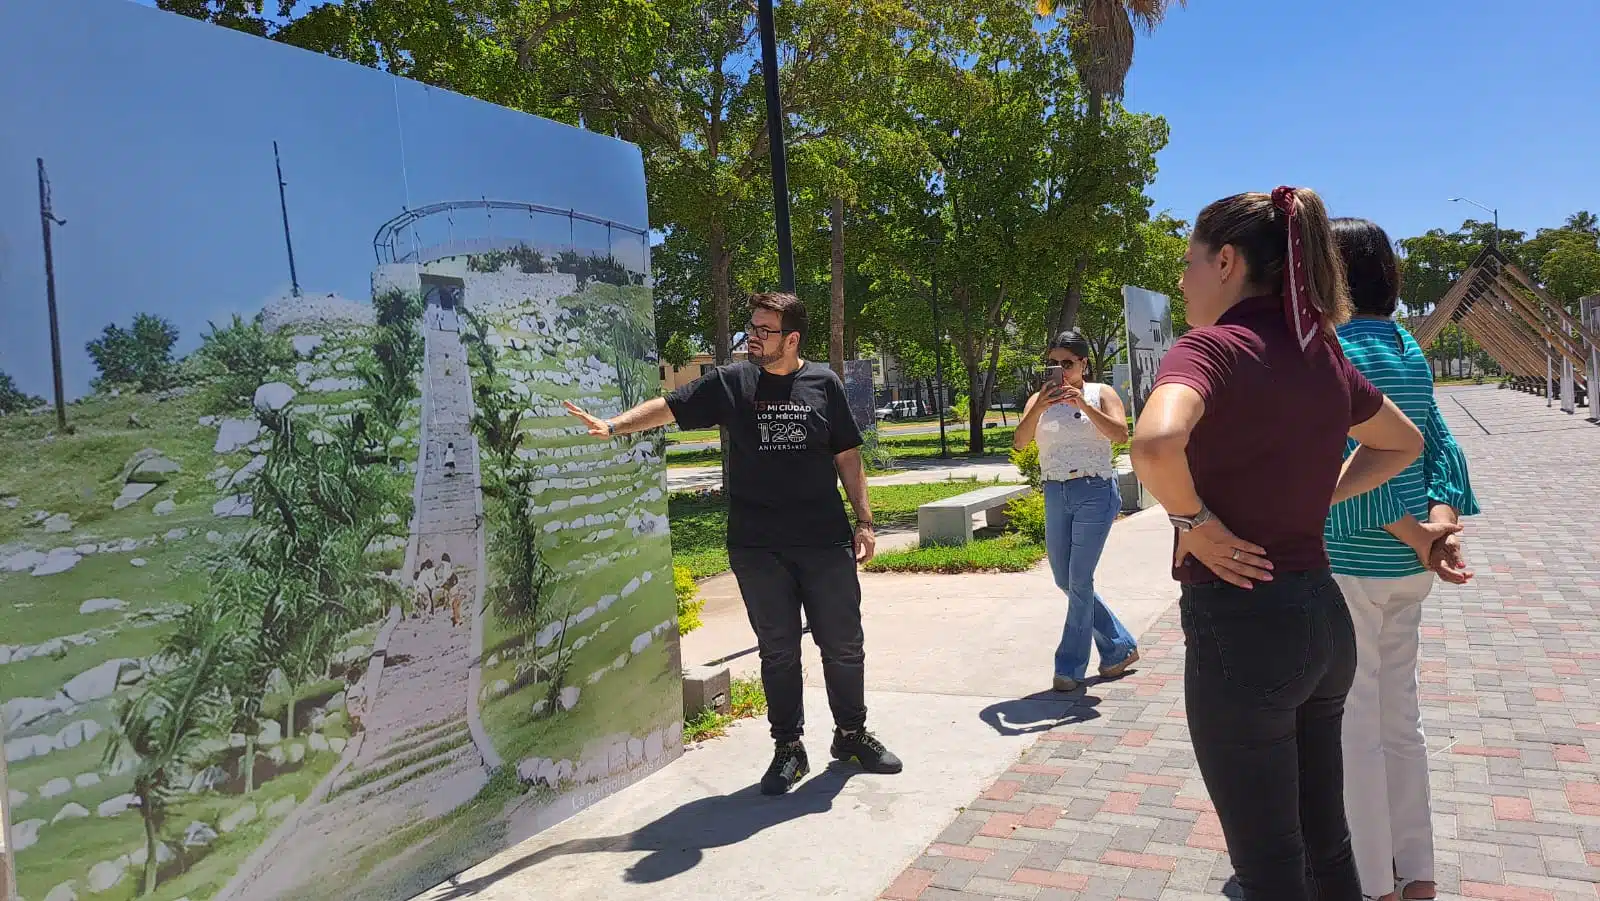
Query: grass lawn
[[1010, 553], [747, 699], [700, 520]]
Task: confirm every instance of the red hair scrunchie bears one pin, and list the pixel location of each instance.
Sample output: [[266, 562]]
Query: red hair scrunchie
[[1299, 310]]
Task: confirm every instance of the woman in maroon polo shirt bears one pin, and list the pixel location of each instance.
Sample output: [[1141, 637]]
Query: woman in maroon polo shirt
[[1242, 441]]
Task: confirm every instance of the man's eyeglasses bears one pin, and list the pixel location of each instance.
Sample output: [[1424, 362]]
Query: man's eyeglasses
[[765, 334]]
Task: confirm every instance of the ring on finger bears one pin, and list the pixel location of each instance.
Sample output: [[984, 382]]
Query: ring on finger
[[1236, 555]]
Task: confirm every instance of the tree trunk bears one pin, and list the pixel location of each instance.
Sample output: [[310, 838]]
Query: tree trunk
[[975, 411], [836, 312], [288, 720], [151, 865], [248, 764], [1072, 300]]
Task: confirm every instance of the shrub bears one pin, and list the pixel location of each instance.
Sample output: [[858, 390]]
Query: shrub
[[689, 602], [875, 453], [962, 409], [13, 400], [1027, 462], [1008, 553], [1027, 517], [236, 359]]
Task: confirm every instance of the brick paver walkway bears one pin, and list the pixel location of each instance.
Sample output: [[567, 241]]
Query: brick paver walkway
[[1112, 806]]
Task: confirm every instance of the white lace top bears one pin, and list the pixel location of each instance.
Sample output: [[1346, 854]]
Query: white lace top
[[1069, 444]]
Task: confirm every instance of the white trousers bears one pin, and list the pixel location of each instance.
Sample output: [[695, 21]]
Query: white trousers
[[1386, 794]]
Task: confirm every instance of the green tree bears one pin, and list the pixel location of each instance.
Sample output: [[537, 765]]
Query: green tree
[[138, 358], [236, 359], [12, 399], [678, 351], [164, 730]]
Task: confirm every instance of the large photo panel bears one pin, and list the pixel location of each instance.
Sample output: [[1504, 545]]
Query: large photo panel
[[310, 589]]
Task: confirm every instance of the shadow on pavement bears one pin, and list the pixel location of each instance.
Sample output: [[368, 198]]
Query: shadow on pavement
[[678, 840], [1040, 712]]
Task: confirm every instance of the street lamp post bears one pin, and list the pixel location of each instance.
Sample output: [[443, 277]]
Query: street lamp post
[[778, 154], [938, 359], [1494, 239]]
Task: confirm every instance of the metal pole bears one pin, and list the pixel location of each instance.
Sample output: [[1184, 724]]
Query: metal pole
[[283, 205], [938, 361], [47, 216], [777, 153]]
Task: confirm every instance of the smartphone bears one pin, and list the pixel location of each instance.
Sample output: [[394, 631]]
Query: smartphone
[[1054, 377]]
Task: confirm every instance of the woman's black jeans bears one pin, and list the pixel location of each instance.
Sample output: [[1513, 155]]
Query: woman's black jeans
[[1265, 677]]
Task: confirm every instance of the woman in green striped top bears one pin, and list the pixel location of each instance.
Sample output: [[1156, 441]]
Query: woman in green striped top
[[1386, 547]]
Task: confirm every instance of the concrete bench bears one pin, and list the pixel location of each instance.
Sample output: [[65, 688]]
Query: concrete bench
[[949, 522]]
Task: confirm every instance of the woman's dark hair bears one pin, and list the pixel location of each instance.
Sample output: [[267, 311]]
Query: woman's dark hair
[[1070, 340], [1370, 266], [1259, 231]]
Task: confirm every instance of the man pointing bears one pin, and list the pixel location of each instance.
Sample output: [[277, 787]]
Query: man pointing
[[791, 440]]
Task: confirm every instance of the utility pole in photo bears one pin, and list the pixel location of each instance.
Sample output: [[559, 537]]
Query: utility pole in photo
[[47, 217], [283, 205]]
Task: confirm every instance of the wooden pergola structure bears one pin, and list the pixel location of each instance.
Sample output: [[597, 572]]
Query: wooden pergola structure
[[1514, 320]]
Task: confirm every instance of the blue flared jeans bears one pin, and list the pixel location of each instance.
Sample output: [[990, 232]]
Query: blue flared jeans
[[1078, 515]]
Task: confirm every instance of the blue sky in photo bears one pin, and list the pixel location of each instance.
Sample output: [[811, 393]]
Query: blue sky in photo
[[157, 132], [1387, 108]]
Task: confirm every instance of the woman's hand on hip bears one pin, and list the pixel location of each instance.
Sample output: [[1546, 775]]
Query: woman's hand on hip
[[1234, 560]]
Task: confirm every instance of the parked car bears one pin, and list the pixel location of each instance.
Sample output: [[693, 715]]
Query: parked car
[[902, 409]]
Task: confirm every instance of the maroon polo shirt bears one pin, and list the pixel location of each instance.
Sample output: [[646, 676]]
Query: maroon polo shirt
[[1267, 453]]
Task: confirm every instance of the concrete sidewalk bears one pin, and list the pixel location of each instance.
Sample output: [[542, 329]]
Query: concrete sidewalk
[[983, 469], [959, 669]]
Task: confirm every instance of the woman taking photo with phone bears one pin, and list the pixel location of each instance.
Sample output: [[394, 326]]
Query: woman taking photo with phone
[[1243, 442], [1075, 422]]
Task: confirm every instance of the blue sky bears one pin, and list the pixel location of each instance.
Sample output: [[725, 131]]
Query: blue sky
[[1387, 107], [157, 132]]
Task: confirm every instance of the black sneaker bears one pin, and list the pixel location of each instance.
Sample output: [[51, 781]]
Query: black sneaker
[[789, 766], [865, 748]]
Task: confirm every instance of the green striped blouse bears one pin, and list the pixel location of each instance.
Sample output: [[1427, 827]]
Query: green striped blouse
[[1357, 543]]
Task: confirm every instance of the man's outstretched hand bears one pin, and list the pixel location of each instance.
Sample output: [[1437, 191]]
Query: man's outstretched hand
[[597, 426]]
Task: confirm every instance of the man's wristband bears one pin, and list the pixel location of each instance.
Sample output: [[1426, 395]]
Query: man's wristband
[[611, 428]]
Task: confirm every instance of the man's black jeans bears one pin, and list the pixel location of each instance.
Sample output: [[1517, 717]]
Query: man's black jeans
[[1265, 678], [776, 584]]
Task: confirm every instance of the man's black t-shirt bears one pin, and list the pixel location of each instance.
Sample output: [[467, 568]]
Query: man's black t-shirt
[[783, 433]]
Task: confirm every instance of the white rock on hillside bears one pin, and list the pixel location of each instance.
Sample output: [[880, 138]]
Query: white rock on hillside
[[20, 712], [117, 806], [100, 605], [66, 891], [208, 779], [304, 345], [165, 508], [70, 812], [271, 733], [235, 434], [131, 494], [58, 561], [25, 834], [273, 396], [164, 854], [55, 788], [97, 683], [245, 472], [198, 835], [154, 470], [317, 741], [61, 522], [569, 697], [236, 505], [104, 875], [87, 780], [15, 798], [21, 561]]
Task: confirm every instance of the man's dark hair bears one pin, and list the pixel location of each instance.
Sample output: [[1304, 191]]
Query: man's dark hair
[[1370, 266], [791, 312]]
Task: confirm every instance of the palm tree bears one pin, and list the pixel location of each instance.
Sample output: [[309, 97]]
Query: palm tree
[[1103, 38], [1102, 42], [166, 728], [1584, 221]]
